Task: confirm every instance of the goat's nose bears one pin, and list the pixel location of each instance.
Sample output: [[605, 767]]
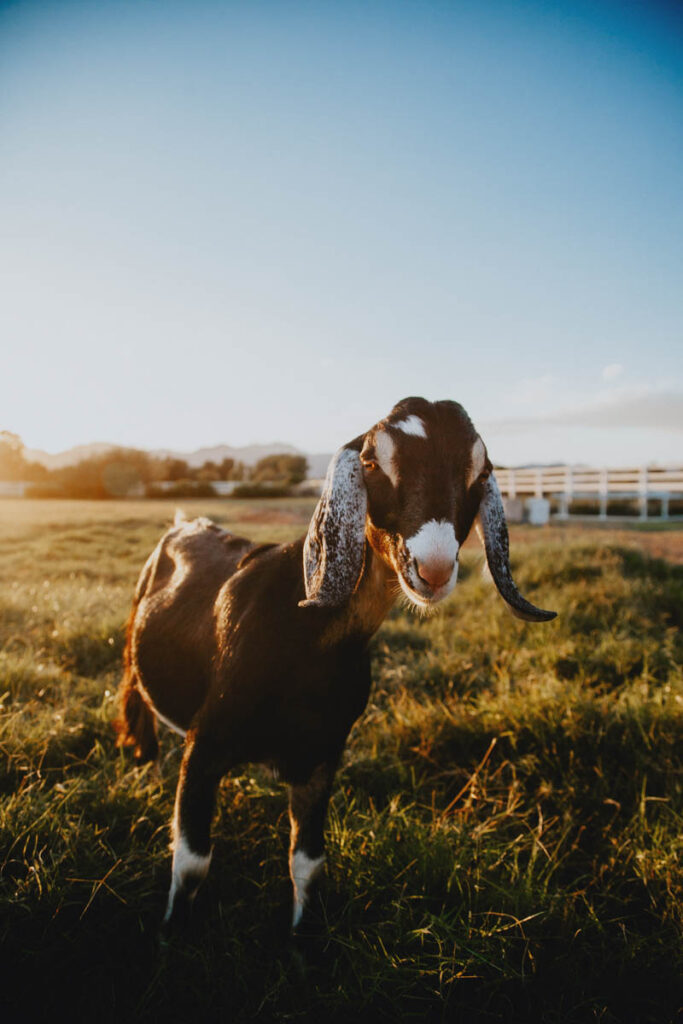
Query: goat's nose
[[435, 574]]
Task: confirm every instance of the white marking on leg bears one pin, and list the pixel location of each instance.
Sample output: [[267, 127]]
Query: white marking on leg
[[302, 870], [189, 871], [384, 450], [411, 425]]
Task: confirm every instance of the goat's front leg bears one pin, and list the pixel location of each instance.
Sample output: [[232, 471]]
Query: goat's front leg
[[194, 806], [307, 809]]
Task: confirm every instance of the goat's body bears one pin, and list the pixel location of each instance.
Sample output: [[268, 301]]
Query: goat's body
[[215, 649], [259, 653]]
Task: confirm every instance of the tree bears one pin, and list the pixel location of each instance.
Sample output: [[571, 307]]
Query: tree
[[226, 468], [114, 474], [175, 469], [12, 461], [280, 469], [208, 472]]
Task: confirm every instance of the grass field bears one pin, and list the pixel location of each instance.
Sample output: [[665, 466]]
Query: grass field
[[504, 838]]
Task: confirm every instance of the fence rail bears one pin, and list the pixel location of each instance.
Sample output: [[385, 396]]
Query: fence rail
[[565, 484]]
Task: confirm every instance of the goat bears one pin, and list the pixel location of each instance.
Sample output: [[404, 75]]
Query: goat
[[260, 653]]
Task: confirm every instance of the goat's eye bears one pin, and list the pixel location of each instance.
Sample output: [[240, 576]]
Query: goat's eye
[[370, 465]]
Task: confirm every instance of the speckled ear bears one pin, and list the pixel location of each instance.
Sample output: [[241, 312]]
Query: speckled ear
[[335, 544], [493, 532]]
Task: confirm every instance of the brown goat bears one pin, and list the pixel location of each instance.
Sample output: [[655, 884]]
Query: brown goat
[[260, 654]]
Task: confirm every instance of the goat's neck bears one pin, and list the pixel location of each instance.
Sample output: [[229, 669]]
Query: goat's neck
[[369, 604]]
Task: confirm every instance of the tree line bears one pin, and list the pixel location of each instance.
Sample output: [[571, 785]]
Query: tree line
[[121, 472]]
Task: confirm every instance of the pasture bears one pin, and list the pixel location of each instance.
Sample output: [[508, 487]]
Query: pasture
[[504, 838]]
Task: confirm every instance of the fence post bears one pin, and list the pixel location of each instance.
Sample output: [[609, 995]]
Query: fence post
[[567, 496], [603, 492], [643, 492]]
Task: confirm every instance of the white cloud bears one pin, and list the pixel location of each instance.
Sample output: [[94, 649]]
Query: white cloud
[[612, 371], [645, 409], [585, 446], [537, 391], [616, 426]]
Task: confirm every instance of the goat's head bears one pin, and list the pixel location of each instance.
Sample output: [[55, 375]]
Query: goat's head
[[413, 486]]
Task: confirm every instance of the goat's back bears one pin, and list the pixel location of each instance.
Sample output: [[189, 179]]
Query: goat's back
[[171, 635]]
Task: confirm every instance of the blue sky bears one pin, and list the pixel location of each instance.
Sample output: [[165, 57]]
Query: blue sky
[[246, 221]]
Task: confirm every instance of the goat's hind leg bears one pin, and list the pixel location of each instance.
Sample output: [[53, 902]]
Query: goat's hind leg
[[136, 725], [194, 807], [307, 810]]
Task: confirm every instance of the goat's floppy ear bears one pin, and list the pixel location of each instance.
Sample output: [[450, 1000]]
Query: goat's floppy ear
[[493, 532], [335, 543]]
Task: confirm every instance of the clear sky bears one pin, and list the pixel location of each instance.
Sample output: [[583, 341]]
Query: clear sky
[[243, 222]]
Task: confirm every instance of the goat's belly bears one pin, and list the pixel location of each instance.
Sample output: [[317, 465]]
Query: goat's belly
[[292, 738], [164, 719], [171, 660], [171, 684], [297, 753]]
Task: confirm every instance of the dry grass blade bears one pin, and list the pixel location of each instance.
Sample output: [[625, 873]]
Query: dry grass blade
[[549, 887], [470, 782]]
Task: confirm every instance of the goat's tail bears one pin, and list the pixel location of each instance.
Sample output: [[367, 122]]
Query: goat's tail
[[136, 725]]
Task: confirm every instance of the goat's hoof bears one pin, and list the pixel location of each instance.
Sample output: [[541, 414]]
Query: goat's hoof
[[308, 934], [309, 949], [176, 919]]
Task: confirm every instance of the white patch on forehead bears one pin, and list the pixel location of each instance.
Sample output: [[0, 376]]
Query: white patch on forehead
[[411, 425], [478, 459], [434, 543], [384, 450]]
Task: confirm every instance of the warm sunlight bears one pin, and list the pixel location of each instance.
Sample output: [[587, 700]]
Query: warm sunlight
[[341, 511]]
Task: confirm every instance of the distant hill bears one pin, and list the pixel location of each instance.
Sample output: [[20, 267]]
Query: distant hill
[[249, 455], [70, 457]]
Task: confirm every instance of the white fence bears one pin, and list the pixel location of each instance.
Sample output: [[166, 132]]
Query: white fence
[[565, 484], [12, 488]]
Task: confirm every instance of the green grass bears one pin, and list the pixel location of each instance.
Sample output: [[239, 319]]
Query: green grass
[[504, 839]]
